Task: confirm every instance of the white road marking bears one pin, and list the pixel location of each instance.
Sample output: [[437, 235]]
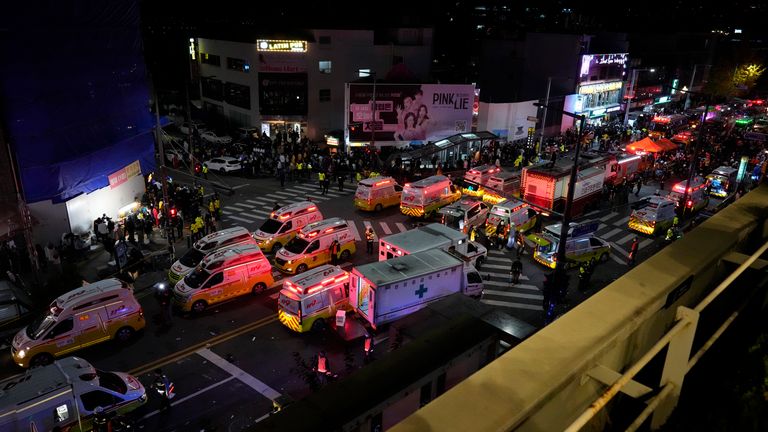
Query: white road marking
[[622, 221], [368, 225], [644, 243], [618, 260], [511, 305], [188, 397], [257, 200], [507, 284], [238, 207], [626, 238], [610, 233], [353, 227], [514, 294], [308, 188], [617, 248], [317, 197], [506, 260], [240, 219], [385, 228], [495, 266], [496, 252], [241, 186], [601, 226], [260, 212], [238, 373], [610, 215], [284, 194], [400, 226]]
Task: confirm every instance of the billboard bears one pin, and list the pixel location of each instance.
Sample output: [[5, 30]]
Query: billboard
[[603, 67], [409, 113]]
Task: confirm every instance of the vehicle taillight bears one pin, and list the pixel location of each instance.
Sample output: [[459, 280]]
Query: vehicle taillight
[[690, 203], [299, 314], [141, 312]]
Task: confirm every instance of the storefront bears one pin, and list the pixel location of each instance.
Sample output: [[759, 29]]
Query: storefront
[[601, 81]]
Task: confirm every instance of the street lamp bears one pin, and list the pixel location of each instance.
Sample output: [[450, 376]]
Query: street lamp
[[561, 260], [695, 156], [693, 76], [546, 103], [631, 91]]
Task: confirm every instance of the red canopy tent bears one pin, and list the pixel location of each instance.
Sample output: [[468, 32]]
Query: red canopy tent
[[645, 145], [666, 144]]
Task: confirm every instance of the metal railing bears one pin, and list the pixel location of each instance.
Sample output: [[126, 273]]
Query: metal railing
[[678, 361]]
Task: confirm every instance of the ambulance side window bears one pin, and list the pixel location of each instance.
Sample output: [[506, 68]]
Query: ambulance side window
[[398, 188], [286, 227], [215, 280], [313, 246], [98, 398], [61, 328]]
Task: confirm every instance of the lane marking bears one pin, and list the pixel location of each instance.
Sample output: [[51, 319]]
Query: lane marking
[[385, 228], [610, 215], [259, 201], [618, 260], [188, 397], [238, 207], [318, 197], [496, 252], [353, 227], [241, 186], [507, 284], [644, 243], [241, 219], [500, 259], [622, 221], [494, 266], [306, 188], [514, 294], [400, 226], [611, 233], [617, 248], [511, 305], [238, 373], [626, 238], [601, 226], [284, 194]]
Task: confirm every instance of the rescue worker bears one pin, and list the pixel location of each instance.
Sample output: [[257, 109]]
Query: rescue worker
[[675, 221], [205, 171], [334, 250], [193, 231], [670, 234], [585, 273], [473, 233], [515, 270], [163, 294], [200, 226], [632, 252], [300, 171], [164, 388], [340, 178], [370, 238], [321, 179], [211, 207], [217, 206]]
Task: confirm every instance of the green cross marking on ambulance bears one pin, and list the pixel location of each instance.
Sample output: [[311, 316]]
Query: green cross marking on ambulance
[[421, 291]]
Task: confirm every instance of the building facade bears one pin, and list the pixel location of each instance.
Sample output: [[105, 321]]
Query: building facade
[[278, 85]]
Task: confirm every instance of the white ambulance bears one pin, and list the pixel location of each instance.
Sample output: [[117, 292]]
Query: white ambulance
[[424, 197], [309, 299], [374, 194], [284, 223], [210, 243], [312, 247]]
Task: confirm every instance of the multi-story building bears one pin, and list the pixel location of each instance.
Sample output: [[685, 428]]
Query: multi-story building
[[278, 85]]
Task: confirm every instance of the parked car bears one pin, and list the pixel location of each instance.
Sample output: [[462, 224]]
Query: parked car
[[224, 164], [186, 127], [15, 307], [213, 138]]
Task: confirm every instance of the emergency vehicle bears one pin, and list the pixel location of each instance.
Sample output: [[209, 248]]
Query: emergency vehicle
[[548, 187], [432, 236], [210, 243], [624, 166], [464, 214], [665, 126], [374, 194], [384, 291], [424, 197], [697, 194], [311, 248], [652, 215], [66, 395], [307, 300], [284, 223], [722, 181], [513, 213], [94, 313], [501, 186], [477, 177], [224, 275], [581, 244]]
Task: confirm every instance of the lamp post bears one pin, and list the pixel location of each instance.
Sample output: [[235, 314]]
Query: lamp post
[[694, 160], [631, 90], [561, 260], [546, 104], [373, 114], [690, 86]]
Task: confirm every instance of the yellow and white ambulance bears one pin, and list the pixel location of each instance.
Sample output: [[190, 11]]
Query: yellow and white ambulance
[[374, 194], [309, 299], [513, 213], [424, 197], [312, 246], [284, 223], [210, 243]]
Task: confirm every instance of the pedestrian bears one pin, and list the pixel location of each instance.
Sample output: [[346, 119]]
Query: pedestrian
[[473, 233], [334, 251], [321, 179], [638, 185], [515, 270], [205, 171], [511, 237], [632, 252], [370, 238], [340, 178], [163, 294], [520, 243], [164, 388]]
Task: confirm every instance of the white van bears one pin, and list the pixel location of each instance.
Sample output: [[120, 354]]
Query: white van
[[374, 194], [424, 197], [284, 223], [83, 317], [464, 214], [311, 248], [223, 275], [66, 395], [212, 242], [697, 194], [308, 300]]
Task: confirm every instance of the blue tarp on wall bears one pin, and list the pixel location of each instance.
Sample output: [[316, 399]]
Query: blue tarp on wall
[[74, 94]]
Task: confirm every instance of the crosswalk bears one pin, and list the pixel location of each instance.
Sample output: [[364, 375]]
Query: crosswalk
[[614, 225], [500, 292]]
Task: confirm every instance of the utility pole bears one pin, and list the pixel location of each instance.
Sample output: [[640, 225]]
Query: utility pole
[[25, 215], [160, 147], [690, 87], [631, 95], [544, 116], [373, 114]]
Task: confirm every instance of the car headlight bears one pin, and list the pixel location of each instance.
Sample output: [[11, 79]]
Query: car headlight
[[22, 353], [290, 261]]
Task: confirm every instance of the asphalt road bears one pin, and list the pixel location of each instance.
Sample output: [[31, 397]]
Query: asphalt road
[[230, 362]]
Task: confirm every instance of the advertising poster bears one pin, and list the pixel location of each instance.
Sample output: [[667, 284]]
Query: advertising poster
[[409, 114]]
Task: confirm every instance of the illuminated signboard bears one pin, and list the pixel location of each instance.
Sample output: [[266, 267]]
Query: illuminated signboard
[[281, 45], [600, 87]]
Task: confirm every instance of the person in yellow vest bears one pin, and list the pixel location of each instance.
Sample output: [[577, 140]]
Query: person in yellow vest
[[200, 225], [205, 171], [519, 161], [358, 176], [211, 208], [321, 179], [217, 207], [193, 231], [562, 147], [299, 169]]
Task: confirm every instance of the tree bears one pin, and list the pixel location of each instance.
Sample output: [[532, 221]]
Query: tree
[[746, 75]]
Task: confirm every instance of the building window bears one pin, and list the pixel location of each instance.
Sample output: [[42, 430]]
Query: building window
[[325, 40], [396, 60], [363, 73], [212, 88], [325, 95], [237, 95], [325, 66], [237, 64], [210, 59]]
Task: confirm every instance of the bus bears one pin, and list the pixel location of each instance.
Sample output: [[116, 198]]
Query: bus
[[666, 126]]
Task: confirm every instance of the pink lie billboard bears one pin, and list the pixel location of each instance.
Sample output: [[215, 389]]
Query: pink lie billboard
[[408, 114]]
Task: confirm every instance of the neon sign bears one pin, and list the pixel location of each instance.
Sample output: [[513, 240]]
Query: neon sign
[[281, 45]]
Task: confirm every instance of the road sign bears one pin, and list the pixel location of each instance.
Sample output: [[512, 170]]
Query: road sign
[[533, 119]]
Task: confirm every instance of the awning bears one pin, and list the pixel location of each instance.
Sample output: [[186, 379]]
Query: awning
[[666, 144], [644, 145]]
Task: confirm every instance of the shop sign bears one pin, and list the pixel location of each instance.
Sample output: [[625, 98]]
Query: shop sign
[[270, 45], [597, 112], [119, 177], [613, 109], [663, 99], [600, 87], [331, 141]]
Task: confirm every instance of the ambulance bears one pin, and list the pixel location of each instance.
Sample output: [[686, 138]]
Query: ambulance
[[652, 215], [722, 181], [306, 301], [94, 313], [464, 214], [511, 212], [224, 275], [424, 197], [501, 186], [374, 194], [697, 194], [210, 243], [65, 396], [311, 247], [433, 236], [284, 223], [477, 177], [581, 245]]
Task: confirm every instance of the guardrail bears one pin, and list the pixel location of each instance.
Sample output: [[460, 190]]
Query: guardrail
[[678, 361]]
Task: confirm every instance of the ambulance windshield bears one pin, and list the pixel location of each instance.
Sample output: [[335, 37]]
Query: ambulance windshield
[[192, 258], [196, 278], [297, 245], [40, 325], [271, 226]]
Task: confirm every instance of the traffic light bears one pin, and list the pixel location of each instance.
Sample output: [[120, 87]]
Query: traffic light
[[173, 212]]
